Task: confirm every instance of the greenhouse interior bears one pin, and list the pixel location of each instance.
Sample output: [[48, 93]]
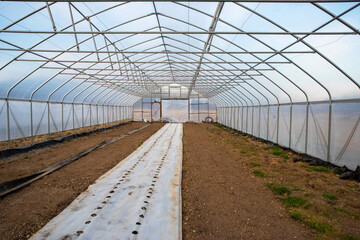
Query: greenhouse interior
[[182, 90]]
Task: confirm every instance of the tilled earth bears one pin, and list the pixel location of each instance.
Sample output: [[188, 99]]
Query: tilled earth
[[235, 187], [222, 200], [26, 211]]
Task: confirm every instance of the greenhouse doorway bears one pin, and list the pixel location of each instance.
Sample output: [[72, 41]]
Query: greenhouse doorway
[[175, 110], [156, 112]]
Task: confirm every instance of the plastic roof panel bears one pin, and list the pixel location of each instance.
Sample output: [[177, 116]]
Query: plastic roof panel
[[240, 52]]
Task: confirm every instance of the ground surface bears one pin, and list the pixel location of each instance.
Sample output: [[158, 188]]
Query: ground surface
[[146, 183], [24, 212], [45, 137], [233, 187], [238, 188], [222, 200], [18, 166]]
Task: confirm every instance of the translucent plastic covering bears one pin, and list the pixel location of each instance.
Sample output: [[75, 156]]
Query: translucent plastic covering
[[282, 70]]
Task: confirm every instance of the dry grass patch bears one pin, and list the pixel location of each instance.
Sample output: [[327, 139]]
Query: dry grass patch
[[311, 194]]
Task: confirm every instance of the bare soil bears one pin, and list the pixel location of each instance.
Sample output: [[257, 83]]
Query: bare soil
[[29, 163], [26, 211], [44, 137], [233, 187], [222, 200], [238, 188]]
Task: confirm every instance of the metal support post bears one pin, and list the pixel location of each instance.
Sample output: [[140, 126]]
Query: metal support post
[[49, 129], [142, 109], [8, 122], [31, 123], [238, 118], [151, 109], [252, 120], [216, 114], [259, 129], [290, 127], [278, 124], [103, 110], [234, 117], [208, 106], [329, 132], [189, 119], [62, 119], [82, 115], [247, 118], [90, 114], [242, 119], [306, 126], [198, 108], [73, 116], [97, 114]]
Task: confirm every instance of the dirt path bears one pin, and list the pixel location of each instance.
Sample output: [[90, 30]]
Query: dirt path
[[24, 212], [29, 163], [222, 200]]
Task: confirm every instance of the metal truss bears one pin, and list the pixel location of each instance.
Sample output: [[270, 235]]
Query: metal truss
[[107, 63]]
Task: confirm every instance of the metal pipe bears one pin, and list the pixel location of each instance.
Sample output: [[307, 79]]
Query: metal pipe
[[73, 24], [8, 122], [51, 16], [150, 52], [265, 1], [157, 62], [354, 32], [237, 97]]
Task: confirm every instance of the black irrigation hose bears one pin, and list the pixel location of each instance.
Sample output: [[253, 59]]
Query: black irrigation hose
[[11, 186], [23, 149]]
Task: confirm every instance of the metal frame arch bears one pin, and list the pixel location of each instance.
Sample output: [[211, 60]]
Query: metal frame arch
[[148, 64], [325, 58], [232, 105], [247, 64], [240, 99]]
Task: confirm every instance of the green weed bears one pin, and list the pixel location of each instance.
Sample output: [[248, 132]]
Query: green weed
[[350, 237], [259, 173], [185, 170], [278, 151], [293, 201], [308, 205], [319, 226], [317, 168], [211, 130], [296, 215], [238, 145], [222, 127], [330, 196], [349, 213], [279, 189], [255, 164], [252, 151], [296, 188]]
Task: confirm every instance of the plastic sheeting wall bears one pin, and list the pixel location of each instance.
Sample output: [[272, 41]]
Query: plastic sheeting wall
[[175, 110], [290, 126], [54, 117]]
